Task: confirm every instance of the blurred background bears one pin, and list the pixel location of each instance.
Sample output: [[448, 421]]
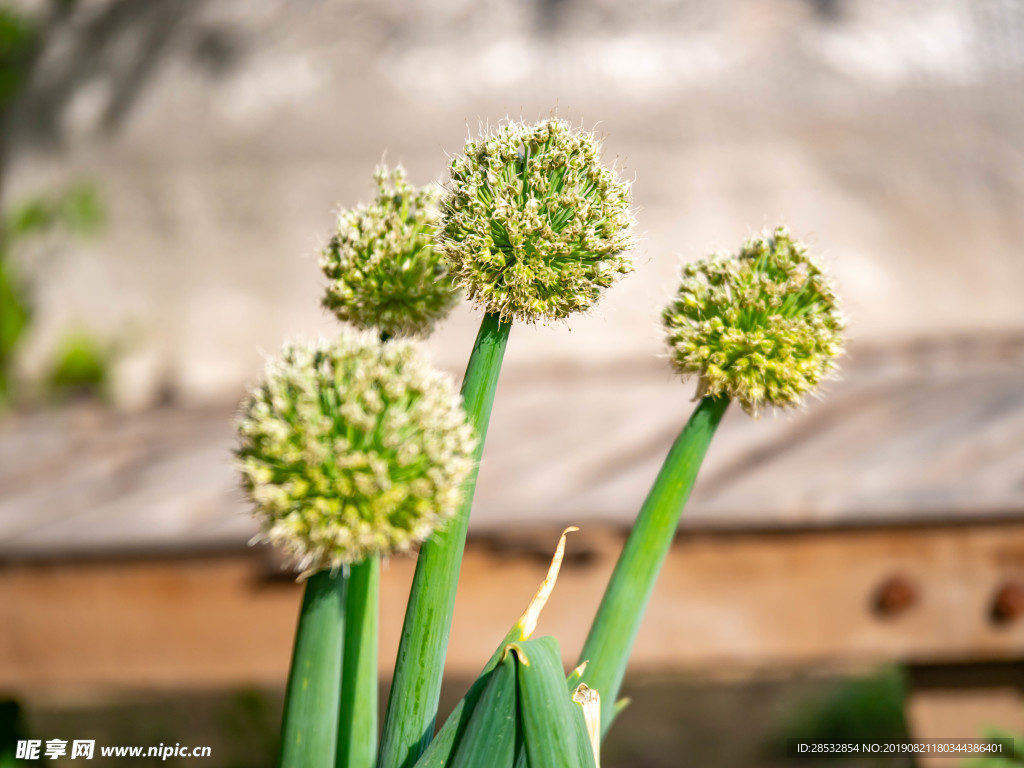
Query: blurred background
[[169, 171]]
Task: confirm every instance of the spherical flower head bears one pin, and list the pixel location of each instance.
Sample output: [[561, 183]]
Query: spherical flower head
[[383, 269], [533, 225], [352, 448], [762, 327]]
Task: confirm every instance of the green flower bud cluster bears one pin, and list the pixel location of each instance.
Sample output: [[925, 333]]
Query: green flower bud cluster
[[762, 327], [533, 225], [383, 269], [351, 448]]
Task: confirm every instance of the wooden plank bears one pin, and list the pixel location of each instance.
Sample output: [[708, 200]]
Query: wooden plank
[[910, 435], [725, 604]]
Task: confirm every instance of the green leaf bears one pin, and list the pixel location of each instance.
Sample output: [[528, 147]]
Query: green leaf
[[490, 737], [447, 740], [537, 724], [622, 608], [443, 746], [357, 717], [309, 733], [550, 720], [416, 686], [440, 750]]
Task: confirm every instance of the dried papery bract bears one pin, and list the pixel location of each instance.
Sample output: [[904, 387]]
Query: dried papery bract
[[534, 225], [383, 270], [761, 327], [352, 448]]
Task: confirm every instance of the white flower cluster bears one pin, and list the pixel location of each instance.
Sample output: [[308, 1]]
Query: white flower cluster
[[352, 448], [533, 225], [762, 326], [382, 267]]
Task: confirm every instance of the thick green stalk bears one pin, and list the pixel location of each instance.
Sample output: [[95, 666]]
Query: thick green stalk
[[309, 733], [412, 705], [357, 717], [622, 607]]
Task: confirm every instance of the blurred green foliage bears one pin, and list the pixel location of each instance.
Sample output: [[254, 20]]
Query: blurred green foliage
[[869, 708], [10, 732], [240, 725], [249, 723], [1013, 760], [17, 39], [17, 36], [80, 366], [76, 210], [14, 316]]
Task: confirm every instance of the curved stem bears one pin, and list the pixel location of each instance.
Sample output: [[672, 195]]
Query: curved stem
[[622, 608]]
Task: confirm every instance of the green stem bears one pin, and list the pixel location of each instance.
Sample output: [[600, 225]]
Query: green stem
[[357, 717], [622, 607], [412, 705], [309, 732]]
